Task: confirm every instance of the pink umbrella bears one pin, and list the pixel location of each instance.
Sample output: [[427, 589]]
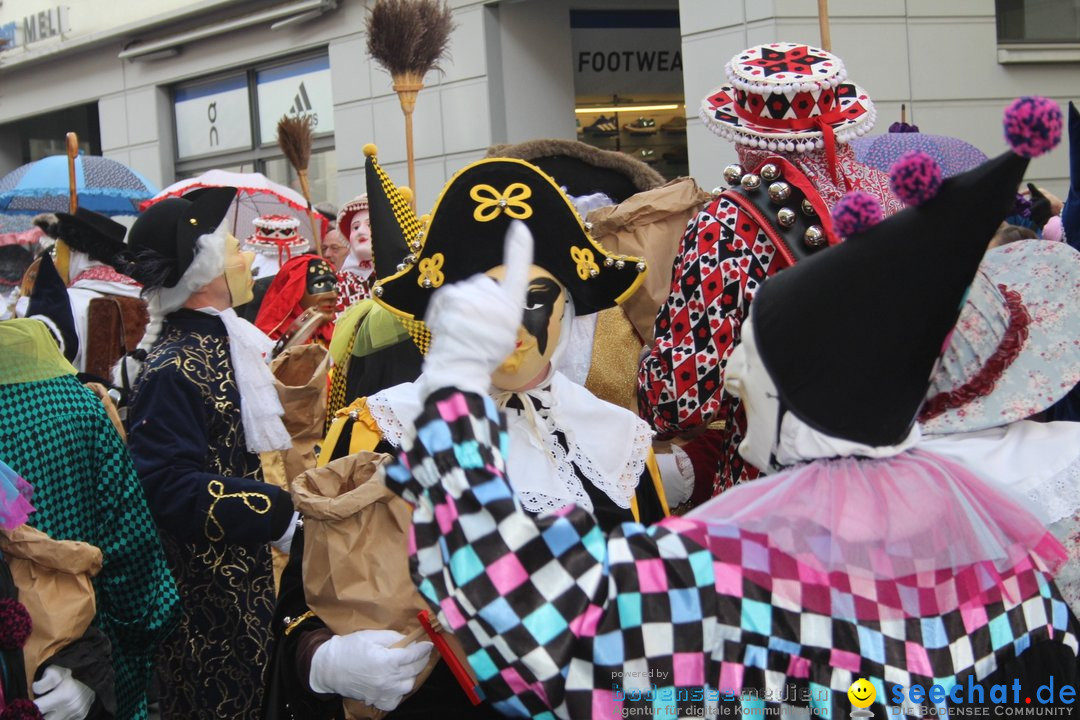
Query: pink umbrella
[[258, 195]]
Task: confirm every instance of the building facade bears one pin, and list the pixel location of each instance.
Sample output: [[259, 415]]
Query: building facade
[[175, 87]]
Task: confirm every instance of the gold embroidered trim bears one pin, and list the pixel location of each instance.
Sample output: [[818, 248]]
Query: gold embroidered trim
[[296, 622], [491, 202], [431, 274], [216, 488], [586, 262]]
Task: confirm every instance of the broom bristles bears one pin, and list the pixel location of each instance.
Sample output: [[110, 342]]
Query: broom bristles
[[409, 37], [294, 139]]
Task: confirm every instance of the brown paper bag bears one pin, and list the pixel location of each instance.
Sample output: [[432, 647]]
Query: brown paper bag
[[356, 560], [300, 378], [650, 225], [53, 578]]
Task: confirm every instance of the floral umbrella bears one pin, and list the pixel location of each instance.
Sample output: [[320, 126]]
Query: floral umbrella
[[102, 185], [953, 155], [257, 195]]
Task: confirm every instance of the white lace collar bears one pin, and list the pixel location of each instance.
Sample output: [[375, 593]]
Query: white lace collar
[[608, 444]]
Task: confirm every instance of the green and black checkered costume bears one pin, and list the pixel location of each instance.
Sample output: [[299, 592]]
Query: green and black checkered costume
[[55, 433]]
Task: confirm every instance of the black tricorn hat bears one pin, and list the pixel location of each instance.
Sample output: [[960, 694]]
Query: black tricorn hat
[[852, 334], [162, 240], [583, 169], [467, 232], [86, 231]]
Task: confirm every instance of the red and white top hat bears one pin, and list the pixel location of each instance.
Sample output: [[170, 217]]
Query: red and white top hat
[[788, 97]]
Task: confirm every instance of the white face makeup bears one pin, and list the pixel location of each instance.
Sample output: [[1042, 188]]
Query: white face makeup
[[746, 378], [360, 236]]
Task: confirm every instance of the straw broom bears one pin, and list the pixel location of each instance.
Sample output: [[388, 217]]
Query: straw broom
[[409, 38], [294, 139]]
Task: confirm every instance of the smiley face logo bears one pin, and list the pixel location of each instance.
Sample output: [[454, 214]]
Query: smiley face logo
[[861, 693]]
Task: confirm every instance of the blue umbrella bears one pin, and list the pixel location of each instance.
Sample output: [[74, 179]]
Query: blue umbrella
[[104, 186]]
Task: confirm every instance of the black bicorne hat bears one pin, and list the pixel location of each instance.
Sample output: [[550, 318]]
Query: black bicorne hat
[[851, 335], [88, 232], [162, 240], [467, 233]]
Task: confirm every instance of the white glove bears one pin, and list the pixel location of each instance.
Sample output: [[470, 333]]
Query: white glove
[[59, 696], [284, 542], [363, 666], [474, 323]]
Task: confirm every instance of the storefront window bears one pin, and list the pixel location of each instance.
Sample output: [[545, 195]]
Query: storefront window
[[230, 121], [1038, 21], [628, 85]]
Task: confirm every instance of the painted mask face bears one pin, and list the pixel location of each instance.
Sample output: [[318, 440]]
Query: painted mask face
[[538, 336], [360, 237], [747, 379], [321, 287], [238, 272]]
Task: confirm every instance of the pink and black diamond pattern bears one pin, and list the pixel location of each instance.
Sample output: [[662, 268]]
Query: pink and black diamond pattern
[[559, 620]]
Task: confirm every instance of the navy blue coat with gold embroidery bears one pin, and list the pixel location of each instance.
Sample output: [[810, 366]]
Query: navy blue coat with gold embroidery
[[215, 514]]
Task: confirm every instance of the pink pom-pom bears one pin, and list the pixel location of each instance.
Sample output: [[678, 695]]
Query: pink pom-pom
[[1033, 125], [915, 177], [21, 709], [14, 624], [855, 212]]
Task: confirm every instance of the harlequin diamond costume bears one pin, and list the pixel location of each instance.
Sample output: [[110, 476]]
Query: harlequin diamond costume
[[57, 435], [355, 276], [791, 111], [865, 560], [203, 406], [571, 447]]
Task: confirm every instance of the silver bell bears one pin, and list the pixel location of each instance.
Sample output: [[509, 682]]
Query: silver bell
[[815, 237], [588, 226], [750, 182], [779, 192], [620, 264], [377, 290], [769, 172], [786, 217], [640, 267], [401, 267], [427, 282], [415, 245], [609, 261], [732, 174], [593, 272], [808, 207]]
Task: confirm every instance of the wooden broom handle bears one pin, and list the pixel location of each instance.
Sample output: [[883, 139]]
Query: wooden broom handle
[[823, 24], [72, 153]]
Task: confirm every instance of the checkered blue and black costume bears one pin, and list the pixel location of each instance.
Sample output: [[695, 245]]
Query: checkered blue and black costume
[[560, 620]]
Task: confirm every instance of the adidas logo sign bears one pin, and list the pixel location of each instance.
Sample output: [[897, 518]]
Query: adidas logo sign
[[301, 105]]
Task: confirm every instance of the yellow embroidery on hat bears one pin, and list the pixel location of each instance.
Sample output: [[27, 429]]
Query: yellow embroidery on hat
[[490, 202], [431, 271], [586, 262]]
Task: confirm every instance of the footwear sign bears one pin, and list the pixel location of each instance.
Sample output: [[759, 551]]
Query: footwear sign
[[299, 88], [626, 52]]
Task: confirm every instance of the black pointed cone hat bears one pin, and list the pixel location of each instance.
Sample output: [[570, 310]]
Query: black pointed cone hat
[[467, 235], [851, 335], [394, 225], [49, 299], [164, 236]]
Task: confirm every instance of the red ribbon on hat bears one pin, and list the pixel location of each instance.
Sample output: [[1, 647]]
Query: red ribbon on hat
[[821, 123]]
